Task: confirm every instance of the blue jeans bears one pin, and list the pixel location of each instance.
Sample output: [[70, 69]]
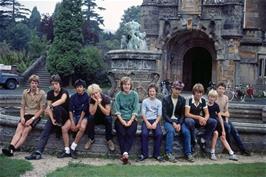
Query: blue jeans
[[210, 127], [157, 134], [170, 134], [232, 132], [48, 129], [169, 140], [186, 140]]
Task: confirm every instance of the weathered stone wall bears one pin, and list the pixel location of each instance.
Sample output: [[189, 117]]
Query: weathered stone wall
[[8, 126], [236, 29], [250, 120], [255, 16]]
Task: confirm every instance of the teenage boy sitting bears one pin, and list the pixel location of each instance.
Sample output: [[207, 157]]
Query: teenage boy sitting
[[78, 106], [32, 106], [197, 115], [222, 101], [214, 112], [100, 113], [57, 111]]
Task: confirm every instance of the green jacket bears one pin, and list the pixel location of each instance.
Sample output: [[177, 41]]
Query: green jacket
[[126, 104]]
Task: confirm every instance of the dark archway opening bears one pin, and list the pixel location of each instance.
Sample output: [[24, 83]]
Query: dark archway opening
[[197, 67]]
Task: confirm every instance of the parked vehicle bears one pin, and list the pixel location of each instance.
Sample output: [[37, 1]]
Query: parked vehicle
[[8, 80]]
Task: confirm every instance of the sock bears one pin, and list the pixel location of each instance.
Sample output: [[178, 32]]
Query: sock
[[212, 151], [73, 146], [67, 150], [231, 152], [125, 153]]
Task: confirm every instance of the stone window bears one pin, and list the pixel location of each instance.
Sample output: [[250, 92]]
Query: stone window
[[262, 66]]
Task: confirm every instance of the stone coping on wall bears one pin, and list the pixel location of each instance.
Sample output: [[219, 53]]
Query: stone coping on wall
[[7, 120]]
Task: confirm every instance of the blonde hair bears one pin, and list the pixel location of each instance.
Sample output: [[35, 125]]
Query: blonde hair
[[124, 80], [94, 88], [213, 93], [34, 78], [198, 88]]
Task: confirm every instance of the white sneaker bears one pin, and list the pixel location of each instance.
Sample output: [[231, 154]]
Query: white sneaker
[[213, 156], [233, 157]]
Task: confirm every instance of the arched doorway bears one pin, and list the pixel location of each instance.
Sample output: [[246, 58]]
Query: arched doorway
[[197, 67], [190, 56]]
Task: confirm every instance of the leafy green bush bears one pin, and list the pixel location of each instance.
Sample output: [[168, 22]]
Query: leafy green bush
[[10, 57], [37, 46]]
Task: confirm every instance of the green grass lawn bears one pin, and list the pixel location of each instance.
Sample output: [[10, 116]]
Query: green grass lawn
[[216, 170], [12, 167]]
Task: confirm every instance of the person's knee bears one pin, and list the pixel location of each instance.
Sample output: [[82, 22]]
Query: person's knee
[[145, 134], [215, 133], [170, 130], [158, 134], [82, 128], [212, 122], [65, 129], [223, 139], [189, 122]]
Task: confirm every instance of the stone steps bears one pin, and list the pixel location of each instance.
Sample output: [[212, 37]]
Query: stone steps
[[44, 75], [39, 68], [247, 113]]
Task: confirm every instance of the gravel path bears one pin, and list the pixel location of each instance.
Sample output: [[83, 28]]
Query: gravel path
[[51, 163]]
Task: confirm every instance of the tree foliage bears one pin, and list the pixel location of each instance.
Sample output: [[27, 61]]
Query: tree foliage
[[132, 13], [65, 53], [93, 64], [11, 57], [92, 21], [11, 11], [18, 36], [35, 19], [37, 46], [46, 28]]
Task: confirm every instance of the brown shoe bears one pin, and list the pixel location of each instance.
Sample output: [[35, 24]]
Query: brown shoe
[[110, 145], [88, 144]]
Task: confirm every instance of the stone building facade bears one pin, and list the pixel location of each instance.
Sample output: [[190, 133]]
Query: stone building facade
[[208, 40]]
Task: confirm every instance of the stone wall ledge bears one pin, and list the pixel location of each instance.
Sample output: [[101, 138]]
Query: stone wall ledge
[[7, 120], [252, 134]]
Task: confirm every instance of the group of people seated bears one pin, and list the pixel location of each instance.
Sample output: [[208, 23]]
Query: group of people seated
[[83, 110]]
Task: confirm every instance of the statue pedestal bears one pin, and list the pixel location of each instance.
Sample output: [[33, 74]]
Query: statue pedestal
[[141, 66]]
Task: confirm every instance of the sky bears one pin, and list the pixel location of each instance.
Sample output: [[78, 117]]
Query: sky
[[112, 15]]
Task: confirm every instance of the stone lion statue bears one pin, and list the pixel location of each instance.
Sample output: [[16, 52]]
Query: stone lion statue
[[133, 39]]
